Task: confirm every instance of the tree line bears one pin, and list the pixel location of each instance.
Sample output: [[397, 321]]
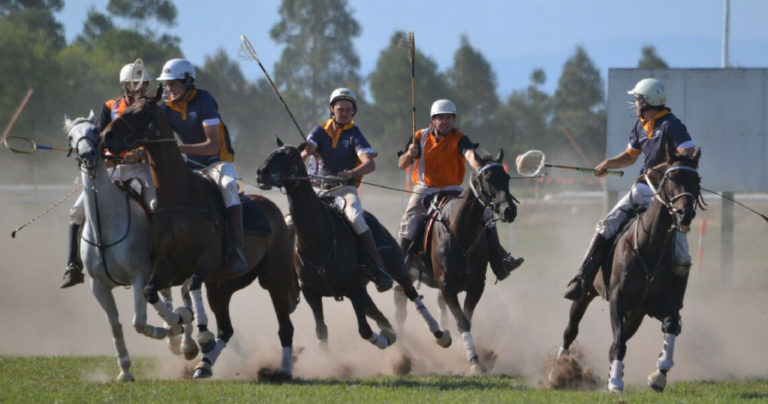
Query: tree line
[[318, 54]]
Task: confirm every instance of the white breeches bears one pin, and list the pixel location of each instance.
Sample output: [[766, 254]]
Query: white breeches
[[353, 209], [224, 175], [415, 211], [638, 199]]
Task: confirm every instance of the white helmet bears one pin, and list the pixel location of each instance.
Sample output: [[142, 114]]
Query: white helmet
[[343, 93], [442, 107], [177, 69], [651, 91], [139, 74]]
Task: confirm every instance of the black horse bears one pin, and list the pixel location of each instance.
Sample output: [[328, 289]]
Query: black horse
[[643, 280], [457, 251], [329, 263]]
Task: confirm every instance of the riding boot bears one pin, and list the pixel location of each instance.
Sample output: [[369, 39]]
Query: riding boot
[[376, 270], [598, 250], [73, 274], [237, 263], [502, 262]]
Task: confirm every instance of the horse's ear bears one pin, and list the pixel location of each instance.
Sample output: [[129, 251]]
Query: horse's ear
[[279, 142], [91, 116], [301, 147], [697, 155], [499, 155], [158, 94]]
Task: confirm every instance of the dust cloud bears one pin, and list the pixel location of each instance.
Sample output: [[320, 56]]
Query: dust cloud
[[519, 320]]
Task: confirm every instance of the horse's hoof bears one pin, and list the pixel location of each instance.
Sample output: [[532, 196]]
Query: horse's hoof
[[174, 344], [390, 336], [444, 340], [615, 386], [657, 380], [202, 371], [477, 369], [185, 314], [125, 377]]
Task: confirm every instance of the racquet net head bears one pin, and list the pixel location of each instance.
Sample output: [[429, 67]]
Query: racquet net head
[[18, 144], [530, 163], [138, 70], [246, 50]]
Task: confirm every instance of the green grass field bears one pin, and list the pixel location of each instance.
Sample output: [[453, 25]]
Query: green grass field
[[85, 380]]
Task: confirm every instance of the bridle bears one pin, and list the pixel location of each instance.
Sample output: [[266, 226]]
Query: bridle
[[668, 201], [483, 199], [147, 127]]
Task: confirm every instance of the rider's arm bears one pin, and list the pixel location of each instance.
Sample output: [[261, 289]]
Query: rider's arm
[[407, 158], [366, 167], [210, 145], [621, 160], [469, 155]]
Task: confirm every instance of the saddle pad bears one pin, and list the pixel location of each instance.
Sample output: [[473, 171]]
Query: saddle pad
[[254, 221]]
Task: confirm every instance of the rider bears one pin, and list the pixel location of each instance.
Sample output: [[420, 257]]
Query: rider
[[441, 167], [656, 125], [343, 152], [134, 81], [194, 115]]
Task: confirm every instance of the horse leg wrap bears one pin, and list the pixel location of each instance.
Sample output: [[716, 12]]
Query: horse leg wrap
[[667, 354], [562, 352], [214, 353], [199, 308], [287, 361], [165, 313], [615, 382], [378, 340], [426, 315], [469, 345]]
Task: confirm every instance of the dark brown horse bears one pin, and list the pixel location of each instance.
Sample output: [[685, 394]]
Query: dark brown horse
[[327, 254], [187, 237], [642, 280], [457, 249]]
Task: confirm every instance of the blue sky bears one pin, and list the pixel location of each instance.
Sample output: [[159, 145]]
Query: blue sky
[[515, 36]]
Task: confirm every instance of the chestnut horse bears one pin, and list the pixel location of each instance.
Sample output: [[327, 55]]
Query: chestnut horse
[[187, 236], [458, 252], [642, 280]]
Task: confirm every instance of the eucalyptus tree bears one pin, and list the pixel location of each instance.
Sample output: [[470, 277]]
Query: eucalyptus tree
[[318, 55]]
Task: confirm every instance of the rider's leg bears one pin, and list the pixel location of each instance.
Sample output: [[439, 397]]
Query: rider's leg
[[412, 218], [681, 269], [637, 199], [353, 210], [380, 276], [223, 173], [502, 262], [236, 259], [73, 274], [598, 249]]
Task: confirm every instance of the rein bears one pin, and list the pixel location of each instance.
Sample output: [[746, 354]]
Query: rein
[[651, 274]]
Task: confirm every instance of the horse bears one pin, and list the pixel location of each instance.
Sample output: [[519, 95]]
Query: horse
[[187, 236], [329, 265], [457, 251], [639, 274], [115, 247]]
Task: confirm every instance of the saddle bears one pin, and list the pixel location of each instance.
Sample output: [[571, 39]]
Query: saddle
[[419, 250]]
